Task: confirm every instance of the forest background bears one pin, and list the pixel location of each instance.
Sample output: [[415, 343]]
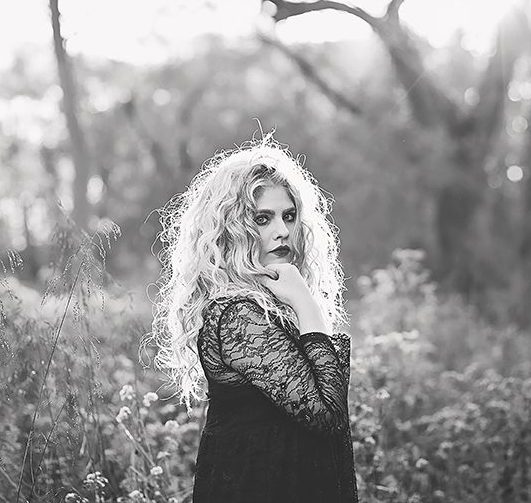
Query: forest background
[[419, 133]]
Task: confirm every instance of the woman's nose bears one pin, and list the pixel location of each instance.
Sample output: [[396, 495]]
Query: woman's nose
[[281, 229]]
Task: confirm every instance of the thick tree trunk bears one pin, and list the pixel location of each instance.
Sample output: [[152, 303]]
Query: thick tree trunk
[[81, 210], [456, 206], [524, 313], [429, 104], [473, 136]]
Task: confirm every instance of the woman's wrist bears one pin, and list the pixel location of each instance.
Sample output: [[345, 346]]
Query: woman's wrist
[[310, 317], [303, 303]]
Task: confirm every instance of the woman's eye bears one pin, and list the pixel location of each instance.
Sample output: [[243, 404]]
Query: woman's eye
[[263, 219]]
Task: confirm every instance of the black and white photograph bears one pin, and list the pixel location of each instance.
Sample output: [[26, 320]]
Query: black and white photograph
[[265, 251]]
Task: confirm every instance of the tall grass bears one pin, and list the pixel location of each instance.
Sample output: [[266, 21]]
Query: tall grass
[[439, 398]]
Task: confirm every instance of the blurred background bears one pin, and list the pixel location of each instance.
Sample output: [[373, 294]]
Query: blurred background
[[412, 115]]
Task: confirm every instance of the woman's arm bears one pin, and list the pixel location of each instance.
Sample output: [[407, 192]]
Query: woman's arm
[[309, 316], [302, 377], [341, 343]]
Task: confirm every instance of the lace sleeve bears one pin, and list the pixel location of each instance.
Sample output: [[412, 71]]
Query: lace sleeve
[[303, 377], [341, 343]]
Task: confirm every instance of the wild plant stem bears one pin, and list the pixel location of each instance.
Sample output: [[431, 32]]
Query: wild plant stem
[[96, 415], [52, 352], [46, 443], [11, 482], [137, 444]]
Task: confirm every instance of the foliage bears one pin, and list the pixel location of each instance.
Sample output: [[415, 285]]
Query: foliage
[[381, 168], [439, 399], [438, 413], [64, 367], [151, 128]]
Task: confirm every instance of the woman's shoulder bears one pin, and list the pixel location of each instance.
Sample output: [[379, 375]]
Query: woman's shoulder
[[237, 305], [218, 308], [221, 304]]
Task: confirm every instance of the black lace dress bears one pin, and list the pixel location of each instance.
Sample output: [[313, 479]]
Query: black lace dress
[[277, 427]]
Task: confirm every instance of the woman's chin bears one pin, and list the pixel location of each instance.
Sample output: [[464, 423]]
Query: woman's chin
[[273, 259]]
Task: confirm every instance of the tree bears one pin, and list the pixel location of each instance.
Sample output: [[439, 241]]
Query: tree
[[80, 155], [472, 132]]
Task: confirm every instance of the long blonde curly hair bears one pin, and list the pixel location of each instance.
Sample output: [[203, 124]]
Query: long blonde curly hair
[[211, 247]]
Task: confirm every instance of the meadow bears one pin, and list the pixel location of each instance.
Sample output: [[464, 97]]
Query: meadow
[[439, 398]]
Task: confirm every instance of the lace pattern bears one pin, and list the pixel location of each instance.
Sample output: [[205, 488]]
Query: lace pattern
[[277, 427]]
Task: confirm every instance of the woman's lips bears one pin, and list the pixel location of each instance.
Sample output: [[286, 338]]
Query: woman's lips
[[281, 253]]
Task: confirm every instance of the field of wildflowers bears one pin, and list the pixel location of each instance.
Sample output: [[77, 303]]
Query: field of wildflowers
[[439, 398]]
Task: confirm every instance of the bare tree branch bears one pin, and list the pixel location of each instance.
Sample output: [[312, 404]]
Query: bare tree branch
[[393, 8], [309, 71], [286, 9], [429, 103]]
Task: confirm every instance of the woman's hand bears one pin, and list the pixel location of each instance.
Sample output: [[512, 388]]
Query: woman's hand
[[290, 287]]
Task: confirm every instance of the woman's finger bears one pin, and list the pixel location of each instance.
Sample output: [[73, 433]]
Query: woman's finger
[[264, 278]]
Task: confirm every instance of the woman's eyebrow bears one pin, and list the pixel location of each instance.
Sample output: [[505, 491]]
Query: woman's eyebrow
[[271, 212]]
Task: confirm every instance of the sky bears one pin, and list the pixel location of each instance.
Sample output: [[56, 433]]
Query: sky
[[151, 31]]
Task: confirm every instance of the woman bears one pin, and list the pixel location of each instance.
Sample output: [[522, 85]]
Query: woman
[[250, 297]]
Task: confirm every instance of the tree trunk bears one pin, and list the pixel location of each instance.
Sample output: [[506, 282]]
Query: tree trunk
[[81, 210], [474, 135], [523, 311]]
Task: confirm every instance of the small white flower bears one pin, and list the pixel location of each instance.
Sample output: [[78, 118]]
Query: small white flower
[[124, 413], [127, 393], [149, 398], [421, 463], [163, 454], [156, 470], [171, 424], [382, 394], [136, 496]]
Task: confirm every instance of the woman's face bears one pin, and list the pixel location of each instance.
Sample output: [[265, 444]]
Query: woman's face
[[275, 219]]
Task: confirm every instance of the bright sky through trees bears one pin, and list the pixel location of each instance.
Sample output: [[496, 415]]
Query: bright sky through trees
[[142, 32]]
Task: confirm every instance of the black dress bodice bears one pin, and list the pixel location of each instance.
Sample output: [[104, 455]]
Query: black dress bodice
[[277, 427]]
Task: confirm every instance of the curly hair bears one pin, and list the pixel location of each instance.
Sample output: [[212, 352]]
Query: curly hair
[[211, 247]]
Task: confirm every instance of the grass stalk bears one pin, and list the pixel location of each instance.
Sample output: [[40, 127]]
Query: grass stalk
[[52, 352], [46, 444]]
